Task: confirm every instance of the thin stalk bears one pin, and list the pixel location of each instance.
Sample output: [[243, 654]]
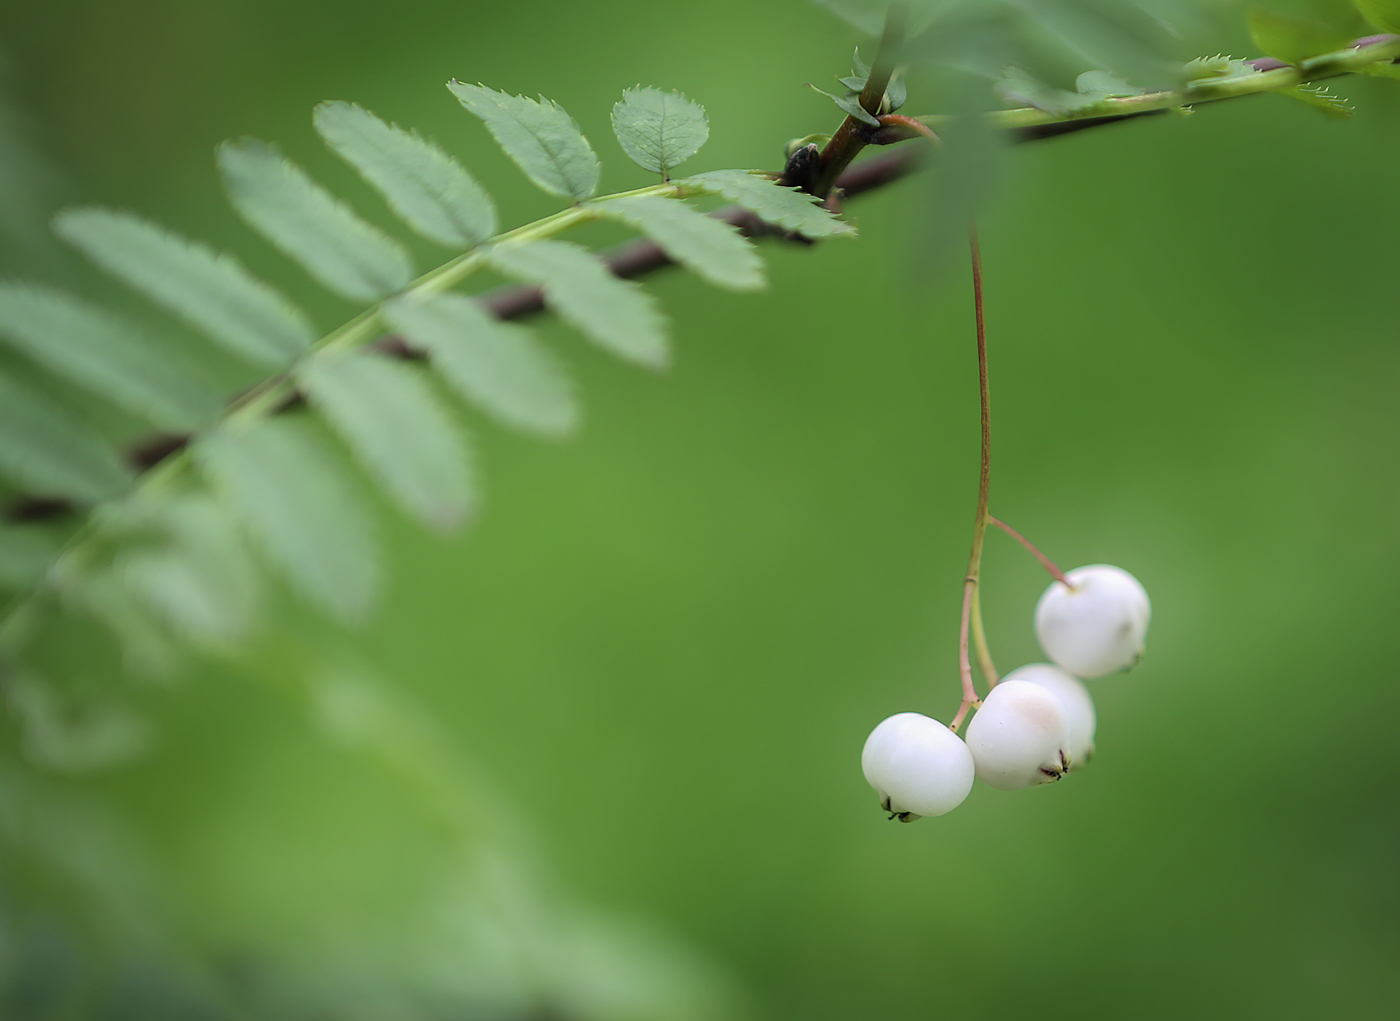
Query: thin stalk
[[1045, 561], [979, 642], [979, 528]]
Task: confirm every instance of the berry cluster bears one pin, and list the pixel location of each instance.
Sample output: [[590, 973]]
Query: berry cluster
[[1033, 726]]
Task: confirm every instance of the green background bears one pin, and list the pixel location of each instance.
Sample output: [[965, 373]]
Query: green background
[[666, 639]]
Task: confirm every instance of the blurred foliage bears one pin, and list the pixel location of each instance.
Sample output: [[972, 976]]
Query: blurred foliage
[[604, 763]]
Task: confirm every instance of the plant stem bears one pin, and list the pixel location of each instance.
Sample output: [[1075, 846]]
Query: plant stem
[[1045, 561], [979, 528], [850, 138], [979, 642]]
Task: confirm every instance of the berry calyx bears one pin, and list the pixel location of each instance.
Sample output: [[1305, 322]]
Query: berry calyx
[[917, 766], [1019, 737], [1097, 627], [1074, 697]]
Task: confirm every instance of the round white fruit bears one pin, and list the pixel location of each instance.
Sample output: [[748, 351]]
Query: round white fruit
[[1020, 737], [1097, 627], [917, 766], [1074, 696]]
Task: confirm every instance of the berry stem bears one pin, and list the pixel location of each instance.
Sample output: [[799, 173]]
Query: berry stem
[[979, 528], [979, 642], [1045, 561]]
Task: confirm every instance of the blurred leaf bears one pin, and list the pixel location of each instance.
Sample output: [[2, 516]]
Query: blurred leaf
[[1292, 39], [70, 737], [1319, 97], [296, 214], [708, 247], [1019, 88], [201, 579], [615, 314], [1101, 83], [1121, 37], [539, 136], [494, 364], [388, 414], [428, 189], [147, 647], [212, 291], [24, 551], [45, 450], [787, 207], [866, 15], [1384, 14], [106, 354], [300, 507], [659, 130]]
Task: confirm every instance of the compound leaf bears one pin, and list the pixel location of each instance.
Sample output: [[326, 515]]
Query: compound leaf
[[428, 189], [771, 202], [659, 130], [106, 354], [209, 290], [707, 246], [301, 508], [498, 366], [43, 449], [615, 314], [394, 423], [539, 136], [279, 200]]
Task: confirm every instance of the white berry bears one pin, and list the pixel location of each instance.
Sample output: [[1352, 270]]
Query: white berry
[[1019, 737], [1079, 707], [1099, 626], [917, 766]]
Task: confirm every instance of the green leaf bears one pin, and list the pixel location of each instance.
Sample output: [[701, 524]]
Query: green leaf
[[1319, 97], [106, 354], [659, 130], [1217, 67], [866, 15], [72, 738], [44, 450], [296, 214], [24, 551], [201, 580], [771, 202], [1101, 83], [427, 188], [1384, 14], [1019, 88], [392, 420], [851, 105], [498, 366], [707, 246], [615, 314], [211, 291], [300, 507], [539, 136], [1293, 40]]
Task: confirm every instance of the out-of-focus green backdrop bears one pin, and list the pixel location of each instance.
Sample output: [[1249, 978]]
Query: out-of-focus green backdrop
[[666, 640]]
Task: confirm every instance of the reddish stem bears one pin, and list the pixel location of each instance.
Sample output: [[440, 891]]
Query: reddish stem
[[1045, 561]]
